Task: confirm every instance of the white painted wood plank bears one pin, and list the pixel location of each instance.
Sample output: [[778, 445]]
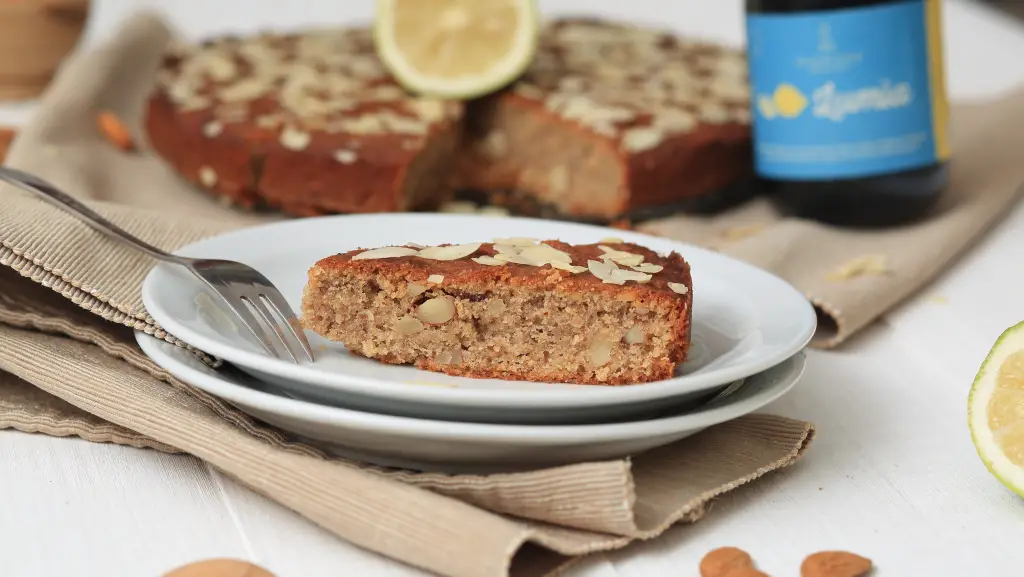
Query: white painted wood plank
[[70, 507], [898, 478], [955, 321], [892, 475], [291, 546]]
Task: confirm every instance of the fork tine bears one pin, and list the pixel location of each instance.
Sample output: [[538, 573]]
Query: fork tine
[[250, 323], [257, 303], [280, 305]]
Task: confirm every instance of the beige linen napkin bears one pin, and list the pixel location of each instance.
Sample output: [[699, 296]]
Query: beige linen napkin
[[69, 299]]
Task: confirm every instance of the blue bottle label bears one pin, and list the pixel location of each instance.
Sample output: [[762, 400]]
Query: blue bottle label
[[847, 93]]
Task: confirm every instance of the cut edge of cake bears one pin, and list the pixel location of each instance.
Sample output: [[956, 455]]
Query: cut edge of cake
[[501, 310]]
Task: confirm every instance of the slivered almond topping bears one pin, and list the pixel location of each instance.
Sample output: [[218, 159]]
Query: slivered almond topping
[[435, 278], [436, 311], [601, 269], [213, 128], [634, 336], [543, 254], [488, 261], [493, 211], [648, 267], [294, 139], [866, 265], [514, 258], [415, 245], [408, 325], [627, 259], [678, 288], [385, 252], [415, 289], [641, 139], [452, 252], [611, 239], [516, 241], [506, 249], [207, 176], [566, 266], [622, 276], [345, 156], [620, 256], [495, 145]]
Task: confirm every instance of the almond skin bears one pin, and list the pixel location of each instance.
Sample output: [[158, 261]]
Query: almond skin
[[6, 137], [115, 131], [835, 564], [745, 572], [725, 561], [220, 568]]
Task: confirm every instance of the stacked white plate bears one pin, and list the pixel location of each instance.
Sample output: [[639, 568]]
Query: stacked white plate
[[748, 326]]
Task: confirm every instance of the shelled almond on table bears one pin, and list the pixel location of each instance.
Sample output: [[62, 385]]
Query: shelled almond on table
[[6, 138], [735, 562]]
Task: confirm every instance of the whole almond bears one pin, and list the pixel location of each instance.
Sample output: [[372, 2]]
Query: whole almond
[[745, 572], [220, 568], [6, 137], [834, 564], [115, 131], [724, 561]]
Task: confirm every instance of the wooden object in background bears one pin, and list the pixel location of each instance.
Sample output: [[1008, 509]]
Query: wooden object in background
[[35, 36], [6, 137]]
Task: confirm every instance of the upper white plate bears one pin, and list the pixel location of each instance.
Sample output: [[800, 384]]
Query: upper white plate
[[745, 320], [465, 447]]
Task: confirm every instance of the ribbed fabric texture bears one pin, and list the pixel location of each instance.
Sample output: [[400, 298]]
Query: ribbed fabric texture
[[69, 299]]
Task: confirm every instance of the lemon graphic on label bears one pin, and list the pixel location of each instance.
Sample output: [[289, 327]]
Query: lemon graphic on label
[[789, 101], [766, 106]]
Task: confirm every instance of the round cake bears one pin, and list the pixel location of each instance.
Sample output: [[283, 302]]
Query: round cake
[[307, 123]]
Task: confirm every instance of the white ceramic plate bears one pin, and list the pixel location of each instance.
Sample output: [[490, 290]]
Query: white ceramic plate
[[745, 320], [463, 447]]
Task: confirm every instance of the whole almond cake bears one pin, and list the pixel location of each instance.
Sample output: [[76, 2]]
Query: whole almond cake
[[609, 120], [518, 309]]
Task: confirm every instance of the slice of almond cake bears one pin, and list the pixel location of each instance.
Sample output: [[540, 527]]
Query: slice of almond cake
[[606, 314]]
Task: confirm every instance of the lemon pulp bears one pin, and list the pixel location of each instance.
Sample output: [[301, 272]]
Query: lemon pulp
[[996, 409], [456, 48]]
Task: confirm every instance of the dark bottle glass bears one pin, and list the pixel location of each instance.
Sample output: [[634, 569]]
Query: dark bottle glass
[[849, 106]]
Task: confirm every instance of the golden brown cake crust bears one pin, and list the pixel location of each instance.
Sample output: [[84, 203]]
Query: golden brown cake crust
[[466, 281], [609, 120], [627, 118], [309, 124]]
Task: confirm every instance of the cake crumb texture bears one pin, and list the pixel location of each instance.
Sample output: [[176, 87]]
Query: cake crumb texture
[[509, 321]]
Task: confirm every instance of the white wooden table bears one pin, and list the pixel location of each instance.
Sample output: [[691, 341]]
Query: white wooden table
[[893, 474]]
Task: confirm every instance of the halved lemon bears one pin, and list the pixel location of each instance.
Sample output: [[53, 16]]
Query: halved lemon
[[456, 48], [995, 409]]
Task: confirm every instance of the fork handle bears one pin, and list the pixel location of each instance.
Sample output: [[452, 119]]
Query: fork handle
[[54, 196]]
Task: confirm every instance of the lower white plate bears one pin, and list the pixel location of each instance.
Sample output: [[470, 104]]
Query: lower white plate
[[460, 446], [745, 320]]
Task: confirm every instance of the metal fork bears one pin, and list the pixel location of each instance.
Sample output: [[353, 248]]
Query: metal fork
[[242, 288]]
